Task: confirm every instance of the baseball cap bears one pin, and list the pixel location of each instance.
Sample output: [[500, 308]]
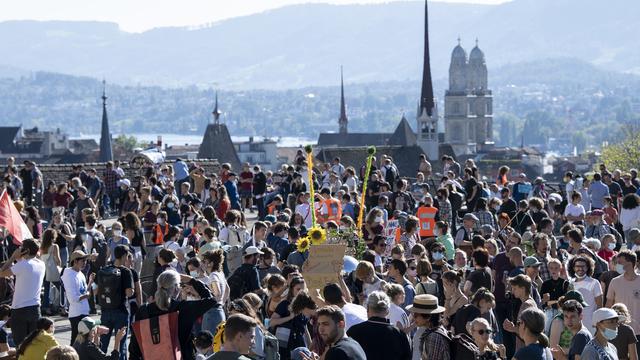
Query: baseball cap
[[125, 182], [531, 261], [252, 250], [575, 295], [470, 216], [603, 314], [87, 324]]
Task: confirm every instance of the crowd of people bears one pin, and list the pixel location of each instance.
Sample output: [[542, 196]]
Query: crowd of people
[[177, 262]]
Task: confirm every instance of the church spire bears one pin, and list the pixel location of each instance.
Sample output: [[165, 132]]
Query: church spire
[[216, 112], [426, 97], [106, 152], [343, 122]]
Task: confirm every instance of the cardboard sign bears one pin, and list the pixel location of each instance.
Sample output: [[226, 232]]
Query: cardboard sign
[[323, 265], [390, 235]]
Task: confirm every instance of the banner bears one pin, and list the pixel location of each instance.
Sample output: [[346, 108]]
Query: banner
[[11, 220]]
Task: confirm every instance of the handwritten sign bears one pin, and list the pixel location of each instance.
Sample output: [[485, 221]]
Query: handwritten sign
[[390, 235], [323, 265]]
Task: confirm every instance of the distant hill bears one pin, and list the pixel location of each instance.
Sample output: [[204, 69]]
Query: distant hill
[[559, 97], [304, 45]]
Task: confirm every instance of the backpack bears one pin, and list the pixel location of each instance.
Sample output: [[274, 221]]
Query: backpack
[[390, 175], [461, 346], [158, 335], [218, 337], [237, 284], [110, 292], [271, 347], [233, 257]]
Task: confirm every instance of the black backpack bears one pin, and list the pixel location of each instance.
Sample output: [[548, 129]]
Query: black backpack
[[110, 292], [461, 346], [237, 283], [390, 175]]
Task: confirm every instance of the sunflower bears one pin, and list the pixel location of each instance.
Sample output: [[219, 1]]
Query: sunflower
[[317, 235], [303, 244]]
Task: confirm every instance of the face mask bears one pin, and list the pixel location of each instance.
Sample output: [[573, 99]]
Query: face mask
[[194, 274], [170, 205], [622, 318], [85, 237], [117, 233], [612, 246], [620, 269], [609, 334], [438, 256], [378, 219], [580, 277]]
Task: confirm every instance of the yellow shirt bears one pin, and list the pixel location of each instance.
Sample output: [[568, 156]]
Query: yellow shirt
[[39, 347]]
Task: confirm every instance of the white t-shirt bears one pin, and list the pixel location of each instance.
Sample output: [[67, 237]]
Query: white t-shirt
[[590, 289], [398, 315], [353, 314], [574, 210], [304, 211], [75, 285], [171, 245], [218, 277], [29, 277]]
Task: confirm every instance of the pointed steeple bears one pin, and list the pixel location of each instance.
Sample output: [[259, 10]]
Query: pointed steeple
[[343, 122], [426, 95], [216, 112], [106, 152]]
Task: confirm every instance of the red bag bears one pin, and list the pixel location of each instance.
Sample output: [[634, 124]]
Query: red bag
[[158, 335]]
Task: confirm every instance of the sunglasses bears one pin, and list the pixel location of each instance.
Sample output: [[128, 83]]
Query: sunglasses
[[485, 331]]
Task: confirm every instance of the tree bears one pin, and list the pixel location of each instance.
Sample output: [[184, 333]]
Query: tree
[[127, 143], [624, 155]]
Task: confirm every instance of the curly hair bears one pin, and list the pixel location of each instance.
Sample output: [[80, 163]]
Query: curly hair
[[588, 261]]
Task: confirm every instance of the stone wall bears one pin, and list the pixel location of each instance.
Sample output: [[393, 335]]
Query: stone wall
[[60, 172]]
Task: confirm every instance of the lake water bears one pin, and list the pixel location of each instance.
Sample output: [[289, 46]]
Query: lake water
[[179, 139]]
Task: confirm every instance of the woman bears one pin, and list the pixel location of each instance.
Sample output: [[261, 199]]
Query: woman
[[36, 345], [481, 332], [62, 352], [133, 231], [50, 255], [33, 221], [630, 215], [625, 341], [145, 201], [426, 285], [373, 226], [224, 204], [170, 206], [292, 331], [454, 299], [212, 264], [397, 315], [536, 210], [63, 197], [410, 236], [117, 238], [501, 179], [531, 329], [87, 343], [482, 302], [297, 222], [480, 277], [276, 286], [167, 299], [47, 199], [370, 281], [131, 202], [65, 235]]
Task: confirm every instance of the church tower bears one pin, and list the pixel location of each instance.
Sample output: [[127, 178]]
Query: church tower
[[427, 114], [106, 152], [468, 103], [343, 122]]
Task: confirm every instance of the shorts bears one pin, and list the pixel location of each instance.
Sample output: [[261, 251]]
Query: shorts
[[246, 194]]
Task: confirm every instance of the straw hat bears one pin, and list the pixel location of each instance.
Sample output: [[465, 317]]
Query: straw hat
[[425, 304]]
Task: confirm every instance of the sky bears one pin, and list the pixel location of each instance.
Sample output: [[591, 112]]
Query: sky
[[141, 15]]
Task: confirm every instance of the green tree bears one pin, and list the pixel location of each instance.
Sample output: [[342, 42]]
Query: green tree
[[128, 143], [624, 154]]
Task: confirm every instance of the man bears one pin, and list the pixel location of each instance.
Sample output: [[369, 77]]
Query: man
[[379, 244], [428, 215], [532, 270], [246, 187], [501, 267], [29, 275], [521, 188], [402, 200], [605, 321], [425, 166], [572, 314], [353, 313], [614, 188], [111, 178], [277, 240], [239, 338], [569, 185], [541, 246], [266, 263], [331, 209], [597, 191], [599, 228], [370, 334], [472, 188], [428, 317], [581, 269], [509, 206], [331, 329], [246, 278], [181, 175], [626, 287], [232, 191], [465, 233], [77, 290], [338, 168], [114, 287], [259, 191], [397, 270]]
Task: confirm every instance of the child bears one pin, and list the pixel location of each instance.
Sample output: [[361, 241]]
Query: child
[[203, 343], [551, 291]]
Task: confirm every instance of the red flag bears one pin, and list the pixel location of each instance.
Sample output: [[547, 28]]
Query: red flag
[[11, 220]]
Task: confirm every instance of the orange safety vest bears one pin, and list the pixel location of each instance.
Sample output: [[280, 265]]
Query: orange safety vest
[[427, 217], [271, 209], [334, 210], [159, 239]]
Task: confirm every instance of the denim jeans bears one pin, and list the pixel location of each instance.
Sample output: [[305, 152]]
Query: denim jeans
[[24, 321], [114, 319], [212, 318]]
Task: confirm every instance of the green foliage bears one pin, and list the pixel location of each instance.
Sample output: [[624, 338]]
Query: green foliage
[[624, 154], [127, 143]]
